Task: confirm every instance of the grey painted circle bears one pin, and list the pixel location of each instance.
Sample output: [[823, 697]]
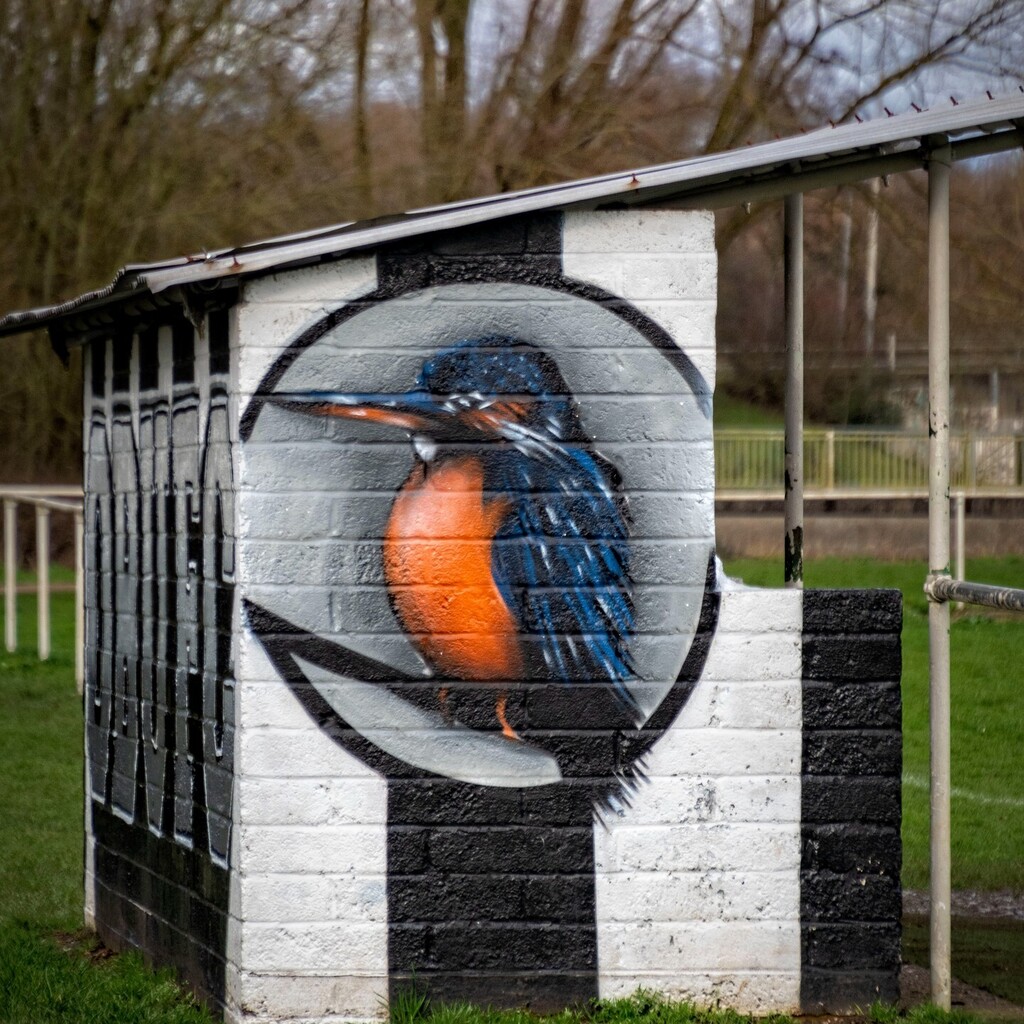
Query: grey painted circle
[[317, 493]]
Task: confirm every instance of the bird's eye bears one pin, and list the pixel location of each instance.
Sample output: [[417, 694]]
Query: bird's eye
[[424, 446]]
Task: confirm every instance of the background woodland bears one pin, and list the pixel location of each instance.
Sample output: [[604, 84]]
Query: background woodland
[[140, 129]]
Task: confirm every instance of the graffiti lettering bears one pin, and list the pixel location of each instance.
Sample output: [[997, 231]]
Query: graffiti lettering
[[160, 582]]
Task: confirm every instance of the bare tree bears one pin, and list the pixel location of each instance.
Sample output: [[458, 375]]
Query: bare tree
[[141, 128]]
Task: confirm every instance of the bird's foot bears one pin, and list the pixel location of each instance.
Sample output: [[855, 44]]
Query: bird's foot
[[506, 730], [446, 708]]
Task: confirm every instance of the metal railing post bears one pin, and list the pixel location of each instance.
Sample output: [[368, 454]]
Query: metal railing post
[[794, 445], [10, 574], [938, 565], [43, 582]]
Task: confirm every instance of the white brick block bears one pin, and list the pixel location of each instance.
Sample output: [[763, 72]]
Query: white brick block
[[699, 946], [262, 703], [283, 753], [315, 948], [756, 611], [767, 656], [640, 231], [266, 330], [746, 991], [700, 847], [698, 896], [703, 751], [594, 268], [690, 276], [293, 898], [711, 798], [337, 849], [329, 282], [750, 704], [266, 997], [314, 801]]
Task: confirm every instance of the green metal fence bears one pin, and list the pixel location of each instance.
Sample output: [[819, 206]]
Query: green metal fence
[[866, 460]]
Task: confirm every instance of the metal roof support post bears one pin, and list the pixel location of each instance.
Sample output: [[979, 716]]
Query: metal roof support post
[[938, 565], [79, 600], [794, 447]]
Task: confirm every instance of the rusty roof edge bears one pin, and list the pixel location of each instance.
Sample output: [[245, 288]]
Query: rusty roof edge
[[703, 173]]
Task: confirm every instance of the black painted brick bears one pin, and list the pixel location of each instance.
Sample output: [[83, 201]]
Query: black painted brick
[[533, 946], [851, 946], [168, 901], [414, 898], [853, 657], [852, 756], [835, 897], [563, 850], [847, 847], [826, 992], [852, 752], [870, 800], [420, 801], [566, 898], [830, 612], [538, 991], [852, 705], [407, 850]]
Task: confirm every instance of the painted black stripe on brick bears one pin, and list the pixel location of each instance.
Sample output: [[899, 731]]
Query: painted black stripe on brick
[[156, 895], [850, 795], [491, 893]]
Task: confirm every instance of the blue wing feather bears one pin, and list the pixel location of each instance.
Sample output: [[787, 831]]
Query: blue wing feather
[[562, 560]]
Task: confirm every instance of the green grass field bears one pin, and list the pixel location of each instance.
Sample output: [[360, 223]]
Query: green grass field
[[51, 972]]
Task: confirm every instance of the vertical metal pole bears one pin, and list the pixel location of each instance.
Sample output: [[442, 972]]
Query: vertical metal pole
[[10, 570], [794, 453], [938, 564], [43, 581], [79, 601], [830, 459], [871, 271]]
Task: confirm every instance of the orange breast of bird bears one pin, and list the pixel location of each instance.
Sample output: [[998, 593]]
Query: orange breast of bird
[[437, 562]]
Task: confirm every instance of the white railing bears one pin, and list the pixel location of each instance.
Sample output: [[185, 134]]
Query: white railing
[[45, 500], [843, 460]]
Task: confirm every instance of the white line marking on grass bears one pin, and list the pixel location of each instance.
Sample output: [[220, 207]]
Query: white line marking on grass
[[921, 782]]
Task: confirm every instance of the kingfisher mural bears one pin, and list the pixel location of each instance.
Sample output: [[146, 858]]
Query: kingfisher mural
[[506, 553], [476, 612], [481, 561]]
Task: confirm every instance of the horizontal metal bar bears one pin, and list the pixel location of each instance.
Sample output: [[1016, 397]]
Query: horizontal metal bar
[[26, 492], [945, 588], [860, 494]]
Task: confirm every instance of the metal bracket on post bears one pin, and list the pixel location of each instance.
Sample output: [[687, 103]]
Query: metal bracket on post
[[794, 445]]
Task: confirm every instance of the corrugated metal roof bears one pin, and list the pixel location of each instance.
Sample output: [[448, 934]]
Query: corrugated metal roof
[[811, 160]]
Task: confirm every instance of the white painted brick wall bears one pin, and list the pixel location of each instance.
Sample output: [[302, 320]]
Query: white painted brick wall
[[664, 262], [698, 887], [697, 883]]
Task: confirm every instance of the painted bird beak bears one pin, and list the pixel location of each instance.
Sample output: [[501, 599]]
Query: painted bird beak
[[417, 412], [412, 411]]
